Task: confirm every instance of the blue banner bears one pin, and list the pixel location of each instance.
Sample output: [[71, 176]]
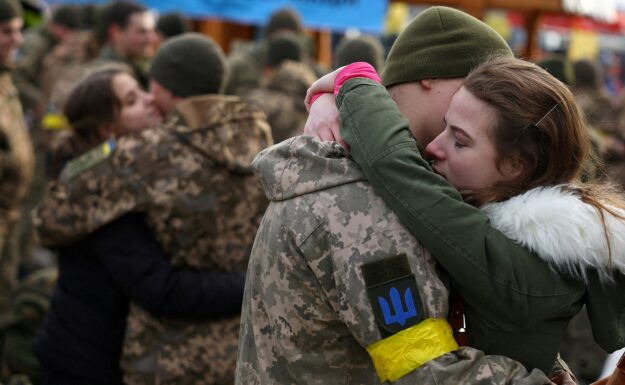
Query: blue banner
[[365, 15]]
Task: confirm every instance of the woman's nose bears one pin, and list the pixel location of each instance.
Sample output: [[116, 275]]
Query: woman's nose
[[433, 150]]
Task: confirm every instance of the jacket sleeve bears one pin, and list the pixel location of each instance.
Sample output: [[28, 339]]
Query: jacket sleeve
[[137, 262], [491, 271], [102, 191]]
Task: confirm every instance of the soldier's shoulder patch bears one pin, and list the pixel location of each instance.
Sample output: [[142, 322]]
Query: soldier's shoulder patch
[[393, 293], [89, 159]]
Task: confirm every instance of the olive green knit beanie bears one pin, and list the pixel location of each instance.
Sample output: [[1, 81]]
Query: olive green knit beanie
[[284, 46], [10, 9], [361, 48], [173, 24], [441, 42], [284, 19], [67, 15], [190, 64]]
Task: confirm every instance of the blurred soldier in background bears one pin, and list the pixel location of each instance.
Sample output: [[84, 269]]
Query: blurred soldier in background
[[286, 80], [360, 48], [38, 43], [17, 318], [129, 37], [560, 67], [16, 161], [592, 98], [247, 62], [171, 24]]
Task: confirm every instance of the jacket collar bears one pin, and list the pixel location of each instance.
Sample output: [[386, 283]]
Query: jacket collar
[[562, 229]]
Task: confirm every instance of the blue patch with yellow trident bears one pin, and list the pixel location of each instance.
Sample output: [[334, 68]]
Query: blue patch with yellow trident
[[393, 293]]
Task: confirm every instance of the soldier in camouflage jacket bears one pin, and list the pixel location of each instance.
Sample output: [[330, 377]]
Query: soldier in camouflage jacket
[[281, 99], [325, 261], [16, 153]]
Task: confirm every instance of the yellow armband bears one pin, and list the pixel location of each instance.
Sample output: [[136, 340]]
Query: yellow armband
[[403, 352]]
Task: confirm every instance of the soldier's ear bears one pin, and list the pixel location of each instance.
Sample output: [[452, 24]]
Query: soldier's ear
[[426, 83]]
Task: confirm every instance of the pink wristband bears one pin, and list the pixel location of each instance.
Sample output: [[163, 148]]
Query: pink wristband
[[355, 70], [316, 96]]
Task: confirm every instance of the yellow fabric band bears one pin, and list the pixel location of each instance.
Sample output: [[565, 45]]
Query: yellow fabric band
[[403, 352], [53, 121]]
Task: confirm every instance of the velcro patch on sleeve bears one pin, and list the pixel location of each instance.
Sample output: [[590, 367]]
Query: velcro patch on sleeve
[[392, 291], [88, 160]]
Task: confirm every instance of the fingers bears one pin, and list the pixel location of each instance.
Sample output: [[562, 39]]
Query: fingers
[[323, 120], [343, 144], [323, 84]]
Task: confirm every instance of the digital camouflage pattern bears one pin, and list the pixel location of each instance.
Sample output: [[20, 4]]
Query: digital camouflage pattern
[[282, 99], [192, 178], [16, 171], [307, 317]]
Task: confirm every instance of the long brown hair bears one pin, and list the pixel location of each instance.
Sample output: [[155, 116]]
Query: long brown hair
[[539, 125], [91, 106]]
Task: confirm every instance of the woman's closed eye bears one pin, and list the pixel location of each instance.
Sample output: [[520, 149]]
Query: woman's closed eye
[[130, 99], [458, 144]]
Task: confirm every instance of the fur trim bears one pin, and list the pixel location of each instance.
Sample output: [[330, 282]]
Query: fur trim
[[561, 229]]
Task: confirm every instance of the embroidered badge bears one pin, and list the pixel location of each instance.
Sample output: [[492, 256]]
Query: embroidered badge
[[88, 159], [393, 293]]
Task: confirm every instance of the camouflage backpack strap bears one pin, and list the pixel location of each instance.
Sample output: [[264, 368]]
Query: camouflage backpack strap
[[89, 159]]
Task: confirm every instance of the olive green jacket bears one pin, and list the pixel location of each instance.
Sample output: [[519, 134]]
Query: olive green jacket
[[516, 304]]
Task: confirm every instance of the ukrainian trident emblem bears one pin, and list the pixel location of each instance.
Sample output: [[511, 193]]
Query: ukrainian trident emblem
[[393, 294], [400, 314]]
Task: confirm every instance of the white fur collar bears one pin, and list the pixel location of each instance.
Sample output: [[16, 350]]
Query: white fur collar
[[563, 230]]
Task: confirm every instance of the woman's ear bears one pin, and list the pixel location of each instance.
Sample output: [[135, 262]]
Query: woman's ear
[[512, 168]]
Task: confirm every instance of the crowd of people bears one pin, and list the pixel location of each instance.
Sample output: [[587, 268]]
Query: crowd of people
[[444, 213]]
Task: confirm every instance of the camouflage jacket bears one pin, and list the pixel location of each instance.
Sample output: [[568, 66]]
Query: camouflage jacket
[[307, 315], [16, 172], [192, 178], [282, 99], [16, 152]]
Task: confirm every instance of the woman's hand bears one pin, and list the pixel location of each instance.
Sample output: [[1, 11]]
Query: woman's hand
[[323, 120], [323, 84]]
